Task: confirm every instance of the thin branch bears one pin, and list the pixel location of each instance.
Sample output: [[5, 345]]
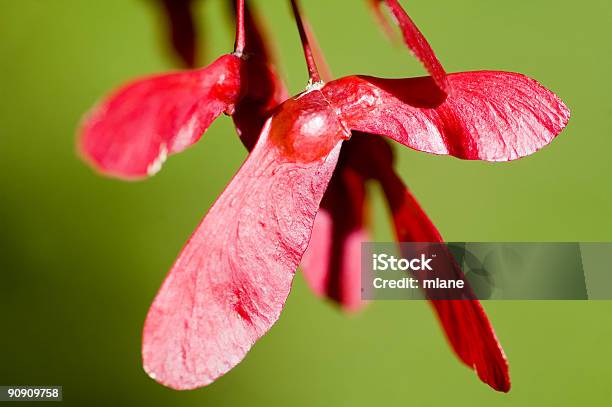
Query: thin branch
[[322, 64], [240, 34], [313, 72]]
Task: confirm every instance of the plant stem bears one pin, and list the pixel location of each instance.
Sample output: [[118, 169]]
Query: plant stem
[[313, 72], [240, 35], [319, 58]]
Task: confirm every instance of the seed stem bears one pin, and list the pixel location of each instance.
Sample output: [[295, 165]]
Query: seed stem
[[319, 58], [313, 72], [240, 35]]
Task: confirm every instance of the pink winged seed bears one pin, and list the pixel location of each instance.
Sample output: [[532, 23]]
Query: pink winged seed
[[131, 132], [230, 282], [465, 323], [490, 115]]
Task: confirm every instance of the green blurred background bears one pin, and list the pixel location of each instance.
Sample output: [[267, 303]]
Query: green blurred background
[[81, 256]]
